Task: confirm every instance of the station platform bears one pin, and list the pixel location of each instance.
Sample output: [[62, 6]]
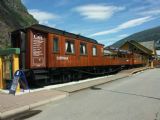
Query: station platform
[[11, 105]]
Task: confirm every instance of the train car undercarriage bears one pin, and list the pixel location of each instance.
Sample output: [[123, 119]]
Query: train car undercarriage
[[42, 77]]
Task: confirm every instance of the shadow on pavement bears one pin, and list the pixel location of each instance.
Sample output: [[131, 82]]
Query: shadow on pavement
[[24, 115], [95, 88]]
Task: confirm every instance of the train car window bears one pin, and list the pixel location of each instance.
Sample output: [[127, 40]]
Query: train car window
[[69, 47], [83, 49], [55, 44], [94, 50]]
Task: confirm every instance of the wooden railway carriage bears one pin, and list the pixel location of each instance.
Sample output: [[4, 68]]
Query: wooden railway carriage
[[47, 47], [50, 55], [118, 57]]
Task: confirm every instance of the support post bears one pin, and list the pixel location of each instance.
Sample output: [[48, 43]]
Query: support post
[[1, 73], [16, 67], [152, 64]]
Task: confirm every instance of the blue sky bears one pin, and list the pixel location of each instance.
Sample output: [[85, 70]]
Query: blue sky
[[104, 20]]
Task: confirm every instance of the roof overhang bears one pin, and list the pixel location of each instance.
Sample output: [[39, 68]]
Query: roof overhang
[[9, 51], [142, 48]]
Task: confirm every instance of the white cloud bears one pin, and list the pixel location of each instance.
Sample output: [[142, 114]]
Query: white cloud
[[42, 16], [122, 36], [97, 12], [134, 22], [126, 25], [150, 12]]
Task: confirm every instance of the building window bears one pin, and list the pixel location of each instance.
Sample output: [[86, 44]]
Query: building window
[[55, 45], [69, 47], [94, 50], [83, 49]]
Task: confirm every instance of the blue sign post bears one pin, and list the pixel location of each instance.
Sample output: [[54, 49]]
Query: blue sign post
[[19, 77]]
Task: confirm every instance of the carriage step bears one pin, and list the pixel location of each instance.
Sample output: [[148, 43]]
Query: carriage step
[[40, 71], [41, 77]]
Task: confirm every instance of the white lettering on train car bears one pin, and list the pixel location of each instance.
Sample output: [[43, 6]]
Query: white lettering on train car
[[62, 58]]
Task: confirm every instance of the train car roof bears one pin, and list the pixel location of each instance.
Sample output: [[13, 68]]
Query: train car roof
[[60, 32]]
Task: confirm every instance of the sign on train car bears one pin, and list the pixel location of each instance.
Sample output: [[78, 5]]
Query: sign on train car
[[38, 49]]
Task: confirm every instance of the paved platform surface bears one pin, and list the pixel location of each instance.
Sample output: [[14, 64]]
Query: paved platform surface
[[132, 98], [11, 105], [100, 80]]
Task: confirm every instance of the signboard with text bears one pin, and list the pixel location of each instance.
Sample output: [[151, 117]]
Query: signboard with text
[[38, 49], [15, 82], [19, 78]]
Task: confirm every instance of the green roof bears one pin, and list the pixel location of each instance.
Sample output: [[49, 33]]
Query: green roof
[[9, 51]]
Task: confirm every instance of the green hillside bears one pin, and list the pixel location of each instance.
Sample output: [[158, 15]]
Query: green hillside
[[146, 35], [13, 15]]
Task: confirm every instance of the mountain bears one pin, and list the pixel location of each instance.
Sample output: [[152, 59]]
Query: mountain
[[13, 15], [146, 35]]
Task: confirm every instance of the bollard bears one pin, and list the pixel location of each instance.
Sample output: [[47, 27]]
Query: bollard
[[15, 64]]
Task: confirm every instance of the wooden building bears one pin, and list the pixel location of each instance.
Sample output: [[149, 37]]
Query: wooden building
[[139, 51]]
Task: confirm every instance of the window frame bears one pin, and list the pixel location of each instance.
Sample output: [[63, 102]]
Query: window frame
[[71, 41], [55, 37], [94, 46], [83, 44]]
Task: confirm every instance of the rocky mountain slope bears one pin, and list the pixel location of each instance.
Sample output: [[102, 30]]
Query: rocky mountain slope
[[13, 15]]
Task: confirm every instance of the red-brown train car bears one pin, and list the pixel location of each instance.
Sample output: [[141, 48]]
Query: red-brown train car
[[51, 55]]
